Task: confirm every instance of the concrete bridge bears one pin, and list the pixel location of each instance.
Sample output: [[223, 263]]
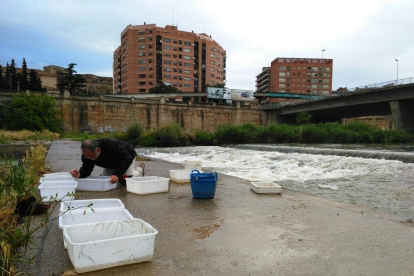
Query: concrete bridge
[[397, 101]]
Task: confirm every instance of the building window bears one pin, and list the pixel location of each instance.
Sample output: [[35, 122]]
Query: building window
[[212, 62], [187, 85], [180, 42], [186, 50], [141, 47], [282, 80], [212, 55], [167, 83], [167, 39], [167, 69], [282, 68], [167, 55], [142, 90], [187, 64], [150, 60], [187, 72], [325, 80], [175, 48], [187, 43], [175, 41], [212, 75], [326, 75], [142, 61], [150, 46], [141, 68], [167, 61], [282, 85], [187, 79], [141, 54], [167, 76], [141, 39], [150, 68], [141, 32], [141, 83], [166, 47], [180, 63], [211, 69], [325, 86], [150, 53], [187, 57], [150, 82], [326, 69], [281, 74], [175, 62], [141, 76]]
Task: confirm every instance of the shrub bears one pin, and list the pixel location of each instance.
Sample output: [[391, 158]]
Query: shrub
[[229, 134], [313, 134], [133, 133], [170, 135], [148, 139], [203, 138], [31, 112]]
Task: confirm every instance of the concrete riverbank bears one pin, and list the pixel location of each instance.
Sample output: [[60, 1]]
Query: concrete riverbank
[[243, 233]]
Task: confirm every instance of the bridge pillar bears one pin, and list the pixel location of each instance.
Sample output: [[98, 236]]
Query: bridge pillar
[[403, 115]]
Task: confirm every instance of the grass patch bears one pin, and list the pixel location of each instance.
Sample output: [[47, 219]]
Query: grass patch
[[27, 135]]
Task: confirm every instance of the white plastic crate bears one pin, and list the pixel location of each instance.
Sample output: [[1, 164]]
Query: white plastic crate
[[192, 165], [57, 174], [265, 187], [56, 178], [81, 205], [180, 176], [97, 246], [95, 183], [59, 190], [147, 185], [89, 216]]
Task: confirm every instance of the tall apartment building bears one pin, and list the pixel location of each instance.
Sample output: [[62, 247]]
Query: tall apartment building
[[149, 54], [301, 75], [263, 81]]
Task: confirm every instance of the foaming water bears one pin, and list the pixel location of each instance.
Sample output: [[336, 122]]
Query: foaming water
[[378, 183]]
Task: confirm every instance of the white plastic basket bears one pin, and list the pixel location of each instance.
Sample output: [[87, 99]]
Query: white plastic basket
[[265, 187], [57, 190], [56, 174], [192, 165], [95, 183], [147, 185], [57, 178], [81, 205], [180, 176], [109, 244], [89, 216]]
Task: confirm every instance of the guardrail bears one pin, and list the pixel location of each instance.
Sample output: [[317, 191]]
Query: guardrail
[[346, 91]]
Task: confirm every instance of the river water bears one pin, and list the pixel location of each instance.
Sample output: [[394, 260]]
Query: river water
[[375, 176]]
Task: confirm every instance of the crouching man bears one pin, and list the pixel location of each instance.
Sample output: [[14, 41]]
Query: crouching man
[[115, 156]]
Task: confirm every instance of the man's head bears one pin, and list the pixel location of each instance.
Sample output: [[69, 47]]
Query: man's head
[[90, 149]]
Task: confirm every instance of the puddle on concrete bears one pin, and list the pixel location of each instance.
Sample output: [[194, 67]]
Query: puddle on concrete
[[205, 231]]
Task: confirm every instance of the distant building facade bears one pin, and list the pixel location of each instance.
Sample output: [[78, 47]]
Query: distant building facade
[[301, 76], [149, 55], [263, 81]]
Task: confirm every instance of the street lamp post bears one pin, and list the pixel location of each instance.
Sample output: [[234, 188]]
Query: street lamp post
[[396, 81]]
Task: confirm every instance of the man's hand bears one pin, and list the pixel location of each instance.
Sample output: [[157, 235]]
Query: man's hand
[[75, 173], [113, 179]]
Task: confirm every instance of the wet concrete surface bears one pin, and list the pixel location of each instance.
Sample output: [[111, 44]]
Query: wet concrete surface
[[240, 232]]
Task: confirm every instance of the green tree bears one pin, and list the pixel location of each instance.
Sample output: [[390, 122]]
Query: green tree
[[2, 79], [31, 112], [303, 118], [163, 88], [24, 76], [69, 80], [35, 84], [13, 75], [7, 77]]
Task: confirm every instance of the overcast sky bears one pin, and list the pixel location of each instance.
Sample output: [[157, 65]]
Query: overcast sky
[[363, 37]]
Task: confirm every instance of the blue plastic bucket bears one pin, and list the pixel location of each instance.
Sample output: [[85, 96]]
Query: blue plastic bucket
[[203, 185]]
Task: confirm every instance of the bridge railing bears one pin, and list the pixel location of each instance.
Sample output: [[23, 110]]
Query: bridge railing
[[374, 86]]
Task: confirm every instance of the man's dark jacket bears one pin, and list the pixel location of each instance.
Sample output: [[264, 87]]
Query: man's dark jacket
[[115, 154]]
